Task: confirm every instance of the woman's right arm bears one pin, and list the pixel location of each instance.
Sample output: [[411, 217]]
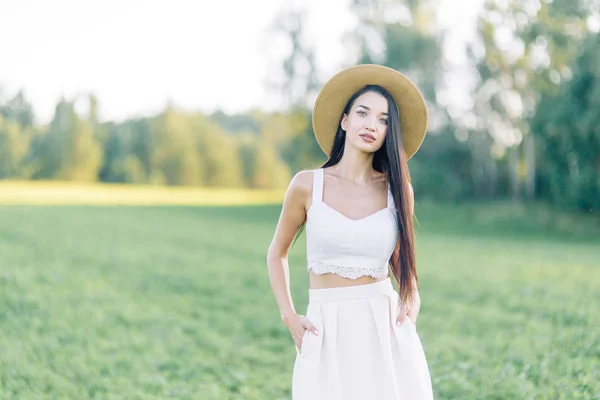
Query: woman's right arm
[[292, 216]]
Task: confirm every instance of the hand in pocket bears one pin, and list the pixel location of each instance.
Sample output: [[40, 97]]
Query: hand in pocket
[[298, 325]]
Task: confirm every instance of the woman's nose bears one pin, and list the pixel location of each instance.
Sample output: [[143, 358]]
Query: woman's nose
[[371, 124]]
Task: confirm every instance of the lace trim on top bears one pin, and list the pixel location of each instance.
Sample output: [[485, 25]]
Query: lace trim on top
[[320, 268]]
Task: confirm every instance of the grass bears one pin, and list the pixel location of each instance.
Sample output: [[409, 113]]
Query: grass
[[174, 302]]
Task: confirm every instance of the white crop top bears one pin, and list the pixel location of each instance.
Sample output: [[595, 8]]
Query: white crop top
[[348, 247]]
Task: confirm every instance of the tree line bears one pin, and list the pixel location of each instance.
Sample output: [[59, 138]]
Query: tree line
[[533, 131], [171, 148]]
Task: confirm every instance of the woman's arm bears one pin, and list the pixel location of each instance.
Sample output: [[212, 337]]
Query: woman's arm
[[293, 215], [415, 306]]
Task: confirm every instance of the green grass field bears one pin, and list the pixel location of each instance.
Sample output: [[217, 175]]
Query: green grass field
[[174, 302]]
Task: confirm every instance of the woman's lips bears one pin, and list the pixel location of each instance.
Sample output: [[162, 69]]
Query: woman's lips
[[367, 137]]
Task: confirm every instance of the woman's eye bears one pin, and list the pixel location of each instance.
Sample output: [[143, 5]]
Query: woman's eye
[[384, 121], [360, 112]]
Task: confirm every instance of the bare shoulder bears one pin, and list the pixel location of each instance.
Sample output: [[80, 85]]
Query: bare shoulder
[[293, 212], [300, 187], [301, 182]]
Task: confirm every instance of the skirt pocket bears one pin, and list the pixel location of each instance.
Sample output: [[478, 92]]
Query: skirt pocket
[[305, 342], [395, 306], [310, 341]]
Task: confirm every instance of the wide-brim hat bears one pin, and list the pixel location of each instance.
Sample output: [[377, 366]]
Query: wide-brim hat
[[334, 95]]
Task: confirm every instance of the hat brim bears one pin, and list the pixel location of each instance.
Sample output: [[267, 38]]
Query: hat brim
[[332, 98]]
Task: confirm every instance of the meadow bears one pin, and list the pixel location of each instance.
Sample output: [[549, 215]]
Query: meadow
[[173, 301]]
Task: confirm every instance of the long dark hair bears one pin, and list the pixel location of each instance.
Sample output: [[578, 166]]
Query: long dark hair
[[391, 160]]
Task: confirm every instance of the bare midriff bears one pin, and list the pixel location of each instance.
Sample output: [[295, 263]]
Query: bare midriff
[[326, 281]]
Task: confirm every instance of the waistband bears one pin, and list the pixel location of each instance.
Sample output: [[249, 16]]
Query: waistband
[[350, 292]]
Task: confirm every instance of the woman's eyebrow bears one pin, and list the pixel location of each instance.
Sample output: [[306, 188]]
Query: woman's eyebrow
[[360, 105]]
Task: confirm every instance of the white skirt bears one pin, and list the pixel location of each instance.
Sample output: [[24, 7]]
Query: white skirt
[[359, 353]]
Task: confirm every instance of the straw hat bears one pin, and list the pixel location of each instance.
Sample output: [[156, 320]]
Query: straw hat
[[332, 98]]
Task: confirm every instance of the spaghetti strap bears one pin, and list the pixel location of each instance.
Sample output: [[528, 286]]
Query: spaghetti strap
[[317, 189]]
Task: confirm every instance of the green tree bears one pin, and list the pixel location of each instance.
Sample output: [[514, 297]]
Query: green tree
[[220, 154], [568, 127], [19, 110], [14, 149], [69, 148], [524, 52], [269, 171], [174, 154]]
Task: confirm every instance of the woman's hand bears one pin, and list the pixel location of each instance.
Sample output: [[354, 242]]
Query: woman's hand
[[411, 311], [403, 313], [298, 325]]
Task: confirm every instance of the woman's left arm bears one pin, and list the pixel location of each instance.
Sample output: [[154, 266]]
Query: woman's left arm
[[415, 305], [411, 310]]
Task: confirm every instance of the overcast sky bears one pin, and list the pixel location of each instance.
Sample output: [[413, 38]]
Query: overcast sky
[[136, 54]]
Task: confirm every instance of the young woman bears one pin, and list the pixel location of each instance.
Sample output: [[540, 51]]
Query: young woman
[[358, 339]]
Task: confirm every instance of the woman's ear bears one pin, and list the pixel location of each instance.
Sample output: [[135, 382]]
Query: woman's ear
[[344, 122]]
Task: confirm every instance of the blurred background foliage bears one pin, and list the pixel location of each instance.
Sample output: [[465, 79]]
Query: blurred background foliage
[[532, 132]]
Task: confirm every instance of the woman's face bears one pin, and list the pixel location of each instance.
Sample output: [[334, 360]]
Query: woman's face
[[366, 122]]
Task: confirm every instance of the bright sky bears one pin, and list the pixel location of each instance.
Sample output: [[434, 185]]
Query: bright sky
[[135, 55]]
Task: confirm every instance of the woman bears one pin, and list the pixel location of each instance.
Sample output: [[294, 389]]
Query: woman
[[358, 339]]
